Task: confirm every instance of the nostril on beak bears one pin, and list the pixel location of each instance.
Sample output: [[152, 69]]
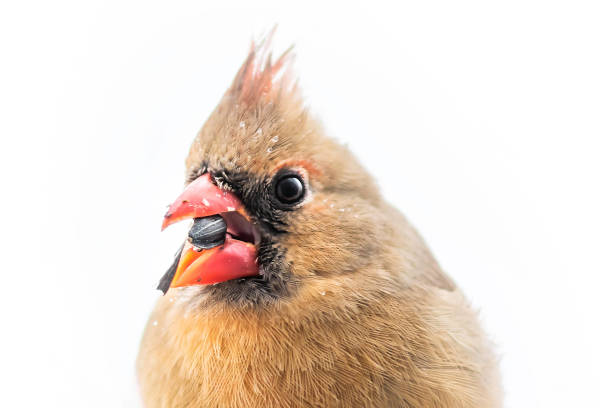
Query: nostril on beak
[[208, 232]]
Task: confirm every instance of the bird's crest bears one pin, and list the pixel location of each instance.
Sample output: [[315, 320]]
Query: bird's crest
[[262, 80]]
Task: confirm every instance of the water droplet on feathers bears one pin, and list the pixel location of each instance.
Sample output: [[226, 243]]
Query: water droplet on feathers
[[274, 139], [242, 125]]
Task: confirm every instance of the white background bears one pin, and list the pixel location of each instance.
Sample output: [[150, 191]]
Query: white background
[[487, 123]]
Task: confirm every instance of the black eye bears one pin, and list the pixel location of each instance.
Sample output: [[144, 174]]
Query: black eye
[[289, 189]]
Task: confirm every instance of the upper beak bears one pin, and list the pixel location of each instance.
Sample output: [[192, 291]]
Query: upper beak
[[233, 258], [201, 198]]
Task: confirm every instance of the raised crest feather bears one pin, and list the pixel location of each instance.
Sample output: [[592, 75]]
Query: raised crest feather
[[260, 79]]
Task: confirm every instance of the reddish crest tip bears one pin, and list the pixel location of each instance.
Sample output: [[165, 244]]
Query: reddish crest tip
[[260, 78]]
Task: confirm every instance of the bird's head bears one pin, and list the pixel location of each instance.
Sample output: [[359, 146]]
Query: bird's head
[[278, 207]]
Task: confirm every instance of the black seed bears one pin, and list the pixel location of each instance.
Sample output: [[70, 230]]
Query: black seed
[[166, 280], [208, 232]]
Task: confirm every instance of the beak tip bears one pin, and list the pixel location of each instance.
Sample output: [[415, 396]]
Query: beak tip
[[166, 221]]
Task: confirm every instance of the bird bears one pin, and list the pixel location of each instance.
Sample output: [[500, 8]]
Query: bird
[[298, 285]]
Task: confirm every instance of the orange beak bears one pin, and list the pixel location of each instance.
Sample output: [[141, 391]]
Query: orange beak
[[235, 258]]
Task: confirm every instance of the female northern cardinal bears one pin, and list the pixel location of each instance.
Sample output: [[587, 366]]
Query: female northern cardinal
[[298, 285]]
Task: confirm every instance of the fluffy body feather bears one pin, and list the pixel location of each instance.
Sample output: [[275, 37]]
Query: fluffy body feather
[[366, 317]]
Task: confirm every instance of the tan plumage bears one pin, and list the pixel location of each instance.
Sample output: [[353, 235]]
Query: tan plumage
[[368, 320]]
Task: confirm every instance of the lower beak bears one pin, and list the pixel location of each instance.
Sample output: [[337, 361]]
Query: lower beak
[[225, 259]]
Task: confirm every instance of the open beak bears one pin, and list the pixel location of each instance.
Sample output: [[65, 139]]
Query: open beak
[[222, 241]]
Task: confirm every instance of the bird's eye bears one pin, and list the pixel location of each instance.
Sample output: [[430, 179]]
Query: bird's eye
[[289, 189]]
